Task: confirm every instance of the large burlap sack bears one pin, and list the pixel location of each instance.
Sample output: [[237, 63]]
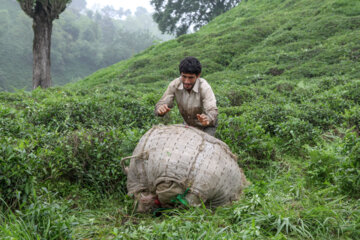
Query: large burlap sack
[[170, 159]]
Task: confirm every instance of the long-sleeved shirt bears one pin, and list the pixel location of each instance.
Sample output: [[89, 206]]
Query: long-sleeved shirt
[[200, 100]]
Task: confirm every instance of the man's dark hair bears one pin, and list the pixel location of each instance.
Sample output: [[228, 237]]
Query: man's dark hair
[[190, 65]]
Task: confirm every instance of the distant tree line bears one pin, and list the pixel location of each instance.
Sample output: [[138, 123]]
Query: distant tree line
[[83, 41], [180, 16]]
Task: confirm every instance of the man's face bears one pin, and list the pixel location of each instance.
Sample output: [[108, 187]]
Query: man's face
[[188, 80]]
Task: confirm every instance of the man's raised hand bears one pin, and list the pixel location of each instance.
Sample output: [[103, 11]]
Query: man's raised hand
[[204, 120], [163, 109]]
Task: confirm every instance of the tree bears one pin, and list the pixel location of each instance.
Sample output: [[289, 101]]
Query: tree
[[177, 16], [43, 12]]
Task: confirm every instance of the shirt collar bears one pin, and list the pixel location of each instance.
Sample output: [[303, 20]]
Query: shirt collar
[[195, 88]]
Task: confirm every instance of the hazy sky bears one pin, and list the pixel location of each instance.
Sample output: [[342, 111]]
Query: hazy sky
[[126, 4]]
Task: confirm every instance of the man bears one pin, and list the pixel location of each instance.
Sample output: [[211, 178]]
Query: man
[[194, 96]]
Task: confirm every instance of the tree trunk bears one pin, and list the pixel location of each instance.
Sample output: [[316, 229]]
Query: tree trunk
[[42, 26]]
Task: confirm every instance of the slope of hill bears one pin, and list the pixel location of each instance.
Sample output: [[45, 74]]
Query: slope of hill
[[285, 73], [259, 41]]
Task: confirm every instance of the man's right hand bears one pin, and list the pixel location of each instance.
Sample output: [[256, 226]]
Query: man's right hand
[[163, 109]]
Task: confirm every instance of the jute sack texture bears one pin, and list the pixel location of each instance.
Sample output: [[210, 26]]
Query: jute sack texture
[[185, 157]]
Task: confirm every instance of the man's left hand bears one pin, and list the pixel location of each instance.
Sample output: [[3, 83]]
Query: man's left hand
[[204, 120]]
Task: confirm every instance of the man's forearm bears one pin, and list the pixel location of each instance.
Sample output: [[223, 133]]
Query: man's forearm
[[212, 115]]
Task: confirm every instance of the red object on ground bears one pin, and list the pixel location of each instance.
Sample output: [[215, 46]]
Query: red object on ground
[[157, 202]]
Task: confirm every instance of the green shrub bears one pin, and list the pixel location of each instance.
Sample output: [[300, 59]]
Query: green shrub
[[211, 66], [351, 91], [322, 165], [64, 114], [336, 164], [240, 95], [348, 174], [302, 93], [136, 114], [333, 100], [12, 122], [352, 118], [231, 111], [91, 158], [19, 170], [294, 133], [284, 87], [269, 114], [247, 139], [222, 100], [330, 82], [319, 115]]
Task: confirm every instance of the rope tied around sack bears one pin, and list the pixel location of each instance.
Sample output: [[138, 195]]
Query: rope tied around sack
[[122, 161]]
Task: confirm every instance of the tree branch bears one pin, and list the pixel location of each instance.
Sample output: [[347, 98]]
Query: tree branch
[[27, 6]]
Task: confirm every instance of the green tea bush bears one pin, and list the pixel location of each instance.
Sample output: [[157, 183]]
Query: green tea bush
[[64, 114], [49, 114], [232, 111], [247, 139], [224, 80], [322, 165], [349, 8], [17, 96], [301, 93], [141, 63], [12, 122], [222, 100], [269, 114], [136, 114], [285, 87], [150, 99], [319, 115], [211, 66], [283, 37], [294, 133], [240, 95], [329, 82], [70, 113], [333, 100], [312, 69], [348, 174], [336, 164], [352, 118], [351, 91], [19, 170], [68, 139], [91, 158]]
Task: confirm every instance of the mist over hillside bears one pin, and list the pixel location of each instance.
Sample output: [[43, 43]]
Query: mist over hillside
[[83, 41], [286, 79]]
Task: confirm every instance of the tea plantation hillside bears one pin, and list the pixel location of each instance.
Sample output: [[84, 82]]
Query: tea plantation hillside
[[287, 80]]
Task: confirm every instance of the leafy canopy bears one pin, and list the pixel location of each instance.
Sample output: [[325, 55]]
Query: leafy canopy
[[52, 8], [177, 16]]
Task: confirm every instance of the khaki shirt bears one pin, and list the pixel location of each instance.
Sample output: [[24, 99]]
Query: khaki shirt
[[200, 99]]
